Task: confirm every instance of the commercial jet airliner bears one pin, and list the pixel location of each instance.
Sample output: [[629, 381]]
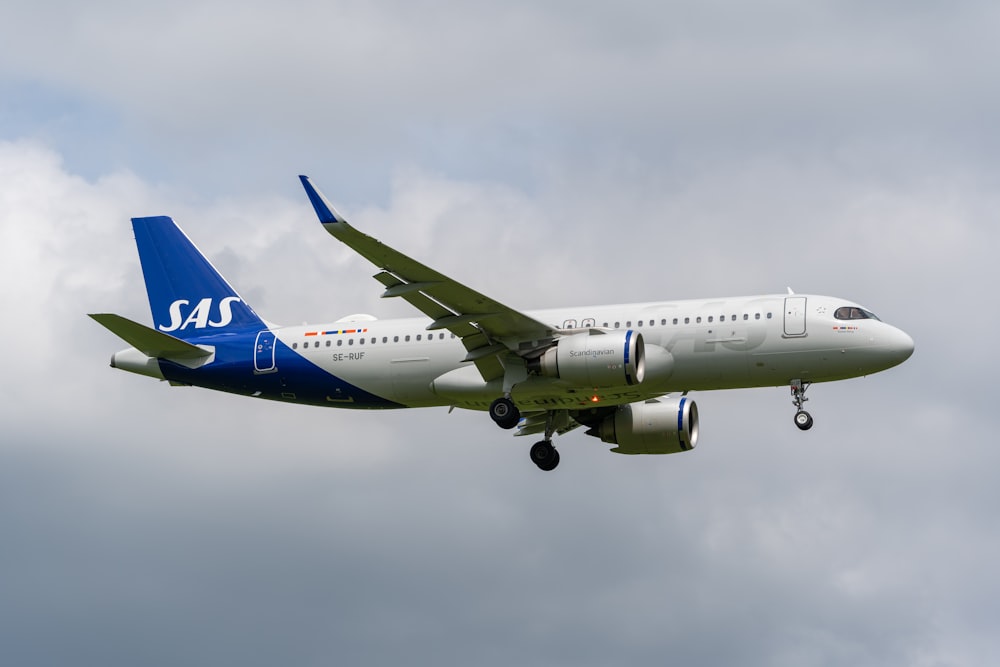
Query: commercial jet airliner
[[623, 372]]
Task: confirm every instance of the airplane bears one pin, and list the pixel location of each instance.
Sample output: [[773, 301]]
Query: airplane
[[623, 372]]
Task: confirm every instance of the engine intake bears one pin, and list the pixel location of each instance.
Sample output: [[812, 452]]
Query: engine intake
[[664, 426], [595, 359]]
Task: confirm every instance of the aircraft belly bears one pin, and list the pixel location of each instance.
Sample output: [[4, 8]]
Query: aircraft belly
[[393, 373], [412, 376], [815, 364], [313, 377], [704, 365]]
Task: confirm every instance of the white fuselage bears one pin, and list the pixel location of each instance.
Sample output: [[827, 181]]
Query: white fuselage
[[724, 343]]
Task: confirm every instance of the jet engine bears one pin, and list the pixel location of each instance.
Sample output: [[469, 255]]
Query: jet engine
[[661, 426], [595, 359]]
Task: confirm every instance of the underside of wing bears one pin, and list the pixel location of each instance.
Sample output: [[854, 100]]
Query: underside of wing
[[487, 327], [536, 422]]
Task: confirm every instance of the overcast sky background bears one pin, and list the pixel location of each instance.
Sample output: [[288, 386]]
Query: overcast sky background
[[547, 154]]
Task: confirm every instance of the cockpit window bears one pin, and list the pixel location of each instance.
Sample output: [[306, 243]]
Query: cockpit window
[[853, 313]]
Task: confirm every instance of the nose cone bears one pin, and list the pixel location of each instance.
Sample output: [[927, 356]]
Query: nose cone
[[900, 346]]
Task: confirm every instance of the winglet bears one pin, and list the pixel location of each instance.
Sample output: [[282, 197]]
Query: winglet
[[324, 209]]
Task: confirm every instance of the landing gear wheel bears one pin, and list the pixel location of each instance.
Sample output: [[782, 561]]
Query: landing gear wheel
[[544, 455], [505, 413], [802, 418]]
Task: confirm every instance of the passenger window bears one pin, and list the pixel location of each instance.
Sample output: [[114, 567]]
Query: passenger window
[[628, 324], [407, 339], [385, 339], [295, 346], [328, 342], [687, 320], [710, 318], [316, 344], [340, 341], [617, 324], [698, 320], [769, 316], [746, 317], [675, 320], [756, 316], [395, 339], [350, 341]]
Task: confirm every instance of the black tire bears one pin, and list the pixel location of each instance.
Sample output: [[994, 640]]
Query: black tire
[[504, 413], [544, 455], [803, 420]]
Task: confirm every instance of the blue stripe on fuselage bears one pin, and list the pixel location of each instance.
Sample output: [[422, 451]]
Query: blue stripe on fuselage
[[294, 380]]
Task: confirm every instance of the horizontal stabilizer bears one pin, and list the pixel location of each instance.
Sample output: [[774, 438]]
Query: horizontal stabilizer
[[149, 341]]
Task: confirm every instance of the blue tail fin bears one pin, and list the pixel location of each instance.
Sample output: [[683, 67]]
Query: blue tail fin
[[187, 295]]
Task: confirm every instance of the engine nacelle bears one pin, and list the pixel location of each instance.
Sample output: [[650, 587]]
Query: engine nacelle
[[612, 359], [663, 426]]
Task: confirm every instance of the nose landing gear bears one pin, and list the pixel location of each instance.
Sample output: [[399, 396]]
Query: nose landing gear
[[802, 418]]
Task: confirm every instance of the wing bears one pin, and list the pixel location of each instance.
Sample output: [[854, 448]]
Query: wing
[[487, 327]]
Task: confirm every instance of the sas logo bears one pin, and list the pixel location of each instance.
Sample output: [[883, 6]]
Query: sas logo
[[200, 314]]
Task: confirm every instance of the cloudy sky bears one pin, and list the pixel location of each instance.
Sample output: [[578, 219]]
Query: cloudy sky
[[547, 154]]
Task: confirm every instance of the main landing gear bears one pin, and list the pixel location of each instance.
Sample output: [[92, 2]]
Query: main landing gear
[[504, 412], [802, 418], [543, 454]]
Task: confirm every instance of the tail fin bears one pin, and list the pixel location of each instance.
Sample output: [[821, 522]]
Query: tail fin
[[188, 296]]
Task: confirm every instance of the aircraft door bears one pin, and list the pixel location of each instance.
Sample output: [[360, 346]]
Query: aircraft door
[[263, 357], [795, 316]]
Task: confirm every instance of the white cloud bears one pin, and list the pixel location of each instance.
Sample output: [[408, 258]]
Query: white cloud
[[546, 155], [753, 525]]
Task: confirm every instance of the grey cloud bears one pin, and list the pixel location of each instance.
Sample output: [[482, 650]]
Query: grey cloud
[[488, 89], [546, 155]]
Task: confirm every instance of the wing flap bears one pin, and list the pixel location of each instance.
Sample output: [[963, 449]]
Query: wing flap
[[536, 422]]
